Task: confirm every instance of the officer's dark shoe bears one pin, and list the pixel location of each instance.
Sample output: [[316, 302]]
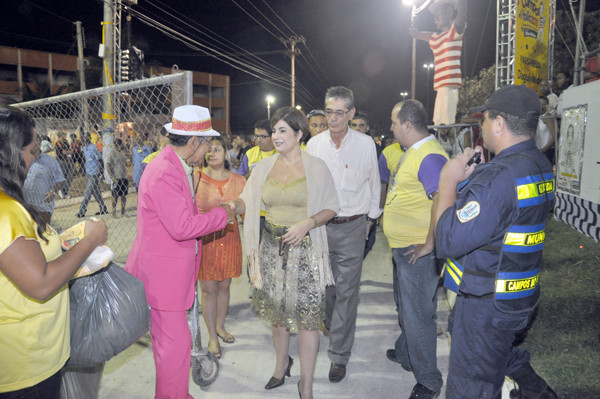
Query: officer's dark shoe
[[420, 391], [391, 355], [546, 393], [531, 385], [337, 372]]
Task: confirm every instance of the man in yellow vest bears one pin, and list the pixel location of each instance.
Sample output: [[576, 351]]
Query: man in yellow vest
[[407, 215], [264, 147]]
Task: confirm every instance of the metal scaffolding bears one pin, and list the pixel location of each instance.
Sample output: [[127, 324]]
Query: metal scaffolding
[[505, 42]]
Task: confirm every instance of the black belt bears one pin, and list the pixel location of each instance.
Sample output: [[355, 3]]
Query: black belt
[[467, 296], [344, 219]]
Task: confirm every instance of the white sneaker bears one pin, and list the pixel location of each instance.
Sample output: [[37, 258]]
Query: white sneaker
[[60, 194]]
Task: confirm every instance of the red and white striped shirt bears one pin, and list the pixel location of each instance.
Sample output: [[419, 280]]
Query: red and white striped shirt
[[446, 47]]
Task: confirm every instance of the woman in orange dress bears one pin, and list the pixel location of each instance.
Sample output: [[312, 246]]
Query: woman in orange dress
[[221, 250]]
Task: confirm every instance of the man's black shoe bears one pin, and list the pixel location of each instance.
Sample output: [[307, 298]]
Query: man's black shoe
[[102, 212], [80, 215], [337, 372], [391, 355], [420, 391]]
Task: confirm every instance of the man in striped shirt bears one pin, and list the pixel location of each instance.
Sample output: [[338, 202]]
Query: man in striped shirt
[[450, 17]]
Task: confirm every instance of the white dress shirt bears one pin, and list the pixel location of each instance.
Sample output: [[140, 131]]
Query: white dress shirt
[[354, 169]]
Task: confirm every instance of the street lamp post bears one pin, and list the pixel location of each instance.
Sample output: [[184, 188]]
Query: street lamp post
[[428, 67], [413, 15], [269, 99]]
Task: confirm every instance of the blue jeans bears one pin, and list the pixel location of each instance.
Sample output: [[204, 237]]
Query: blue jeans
[[417, 303], [92, 189]]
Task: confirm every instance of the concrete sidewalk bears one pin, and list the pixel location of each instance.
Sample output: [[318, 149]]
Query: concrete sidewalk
[[247, 364]]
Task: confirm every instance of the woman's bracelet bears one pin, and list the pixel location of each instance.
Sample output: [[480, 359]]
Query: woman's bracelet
[[315, 219]]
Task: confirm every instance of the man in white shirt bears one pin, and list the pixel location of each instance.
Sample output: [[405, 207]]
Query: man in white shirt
[[351, 158]]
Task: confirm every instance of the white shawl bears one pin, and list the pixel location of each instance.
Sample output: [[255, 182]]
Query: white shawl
[[321, 195]]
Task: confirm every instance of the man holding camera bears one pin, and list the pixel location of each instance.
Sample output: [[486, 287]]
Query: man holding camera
[[492, 231]]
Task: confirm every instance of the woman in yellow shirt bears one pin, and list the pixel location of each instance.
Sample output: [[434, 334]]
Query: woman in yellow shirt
[[34, 301]]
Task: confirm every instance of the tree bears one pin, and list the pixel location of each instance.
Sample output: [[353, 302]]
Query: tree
[[476, 90], [40, 88], [564, 38]]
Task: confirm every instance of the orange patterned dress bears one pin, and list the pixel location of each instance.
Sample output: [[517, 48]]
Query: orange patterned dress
[[221, 250]]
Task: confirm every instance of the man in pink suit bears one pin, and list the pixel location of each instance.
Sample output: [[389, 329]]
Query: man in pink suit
[[165, 254]]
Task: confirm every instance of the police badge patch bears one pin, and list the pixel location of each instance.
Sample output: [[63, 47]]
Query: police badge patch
[[468, 212]]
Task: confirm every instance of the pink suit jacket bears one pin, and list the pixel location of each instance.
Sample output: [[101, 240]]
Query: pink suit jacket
[[163, 255]]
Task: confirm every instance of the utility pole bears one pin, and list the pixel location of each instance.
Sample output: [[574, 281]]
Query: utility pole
[[292, 53], [80, 65], [108, 54]]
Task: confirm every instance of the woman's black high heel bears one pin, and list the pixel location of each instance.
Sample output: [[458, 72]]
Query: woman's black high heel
[[277, 382]]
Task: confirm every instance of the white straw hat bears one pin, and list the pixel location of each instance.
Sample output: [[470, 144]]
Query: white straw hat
[[191, 120]]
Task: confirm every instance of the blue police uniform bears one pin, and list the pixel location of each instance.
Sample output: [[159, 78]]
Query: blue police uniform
[[493, 238]]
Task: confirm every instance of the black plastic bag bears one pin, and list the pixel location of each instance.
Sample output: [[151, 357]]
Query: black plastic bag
[[109, 313]]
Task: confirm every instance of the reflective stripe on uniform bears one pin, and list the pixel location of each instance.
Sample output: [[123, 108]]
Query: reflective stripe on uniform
[[513, 285], [524, 239], [454, 272], [534, 190]]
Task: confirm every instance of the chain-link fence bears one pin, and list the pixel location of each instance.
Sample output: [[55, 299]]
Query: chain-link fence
[[99, 139]]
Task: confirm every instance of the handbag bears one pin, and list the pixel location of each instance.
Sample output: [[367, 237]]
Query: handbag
[[109, 312]]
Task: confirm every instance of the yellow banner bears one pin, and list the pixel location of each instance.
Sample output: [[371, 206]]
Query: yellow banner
[[531, 42]]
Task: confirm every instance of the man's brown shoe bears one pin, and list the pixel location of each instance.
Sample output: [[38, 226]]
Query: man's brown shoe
[[337, 372]]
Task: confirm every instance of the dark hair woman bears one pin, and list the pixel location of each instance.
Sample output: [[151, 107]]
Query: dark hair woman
[[34, 311], [290, 269]]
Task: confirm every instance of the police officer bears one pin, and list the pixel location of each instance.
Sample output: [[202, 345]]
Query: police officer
[[490, 226]]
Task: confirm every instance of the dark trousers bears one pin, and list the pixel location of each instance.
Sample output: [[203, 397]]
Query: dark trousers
[[47, 389], [370, 241], [482, 350]]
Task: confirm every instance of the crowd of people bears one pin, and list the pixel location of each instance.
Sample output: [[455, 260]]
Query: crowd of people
[[310, 191], [308, 210]]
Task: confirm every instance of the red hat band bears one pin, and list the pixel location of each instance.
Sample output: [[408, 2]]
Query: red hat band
[[194, 126]]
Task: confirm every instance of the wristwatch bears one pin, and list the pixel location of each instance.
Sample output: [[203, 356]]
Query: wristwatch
[[371, 220]]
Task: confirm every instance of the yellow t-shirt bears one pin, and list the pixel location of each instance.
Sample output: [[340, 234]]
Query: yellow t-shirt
[[255, 154], [407, 210], [34, 335], [392, 153]]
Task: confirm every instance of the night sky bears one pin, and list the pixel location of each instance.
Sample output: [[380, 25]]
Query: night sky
[[361, 44]]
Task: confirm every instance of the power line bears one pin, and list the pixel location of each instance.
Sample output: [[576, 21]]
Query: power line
[[49, 12], [270, 76], [231, 61], [255, 20], [277, 15], [196, 27], [35, 38]]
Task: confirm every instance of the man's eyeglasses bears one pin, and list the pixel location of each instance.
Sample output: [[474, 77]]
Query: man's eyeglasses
[[340, 113], [261, 136]]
